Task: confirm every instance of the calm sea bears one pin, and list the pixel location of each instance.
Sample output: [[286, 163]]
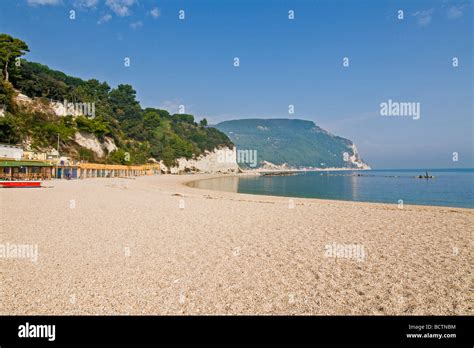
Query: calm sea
[[449, 187]]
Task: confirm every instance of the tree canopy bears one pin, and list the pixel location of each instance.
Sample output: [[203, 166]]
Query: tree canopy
[[10, 49]]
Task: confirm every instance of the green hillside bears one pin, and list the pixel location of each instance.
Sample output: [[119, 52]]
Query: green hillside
[[298, 143]]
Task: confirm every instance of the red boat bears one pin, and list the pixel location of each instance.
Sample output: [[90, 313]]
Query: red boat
[[20, 183]]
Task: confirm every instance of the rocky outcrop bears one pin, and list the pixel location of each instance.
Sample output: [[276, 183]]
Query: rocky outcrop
[[90, 141], [109, 145], [23, 99], [355, 159], [65, 109], [265, 165], [60, 109]]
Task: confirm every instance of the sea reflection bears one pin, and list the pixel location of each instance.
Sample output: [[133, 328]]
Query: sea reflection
[[354, 182], [229, 184]]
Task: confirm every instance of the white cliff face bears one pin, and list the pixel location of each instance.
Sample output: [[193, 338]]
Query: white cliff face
[[21, 98], [109, 145], [222, 160], [356, 160], [90, 141], [60, 109]]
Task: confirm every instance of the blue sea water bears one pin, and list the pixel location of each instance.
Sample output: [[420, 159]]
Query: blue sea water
[[449, 187]]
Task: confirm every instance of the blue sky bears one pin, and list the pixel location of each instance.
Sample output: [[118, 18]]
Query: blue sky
[[282, 62]]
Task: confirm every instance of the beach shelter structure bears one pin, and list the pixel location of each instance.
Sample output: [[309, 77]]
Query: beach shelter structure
[[25, 170]]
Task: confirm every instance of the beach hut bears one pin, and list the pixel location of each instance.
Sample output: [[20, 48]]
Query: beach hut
[[25, 170]]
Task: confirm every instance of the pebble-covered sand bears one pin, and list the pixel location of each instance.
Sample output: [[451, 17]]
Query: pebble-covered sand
[[154, 246]]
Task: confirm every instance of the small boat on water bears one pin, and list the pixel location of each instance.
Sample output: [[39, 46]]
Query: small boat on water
[[426, 176], [20, 183]]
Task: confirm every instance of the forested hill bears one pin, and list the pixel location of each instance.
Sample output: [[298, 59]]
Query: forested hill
[[142, 133], [298, 143]]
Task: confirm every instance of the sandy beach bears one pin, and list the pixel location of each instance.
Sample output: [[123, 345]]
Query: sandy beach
[[152, 245]]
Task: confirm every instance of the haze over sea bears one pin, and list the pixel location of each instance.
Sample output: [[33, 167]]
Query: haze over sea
[[449, 187]]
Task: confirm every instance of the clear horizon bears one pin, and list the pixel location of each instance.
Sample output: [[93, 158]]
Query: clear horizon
[[283, 62]]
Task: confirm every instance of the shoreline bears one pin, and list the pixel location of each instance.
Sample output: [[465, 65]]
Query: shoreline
[[156, 246], [218, 176]]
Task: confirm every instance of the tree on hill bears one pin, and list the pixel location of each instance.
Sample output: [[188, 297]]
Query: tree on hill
[[124, 103], [10, 49]]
